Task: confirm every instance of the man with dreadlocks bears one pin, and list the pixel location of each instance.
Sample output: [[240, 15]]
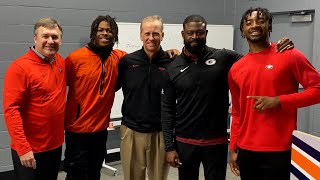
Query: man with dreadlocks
[[264, 87], [195, 104], [91, 76]]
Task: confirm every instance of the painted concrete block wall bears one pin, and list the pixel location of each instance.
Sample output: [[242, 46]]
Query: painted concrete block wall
[[310, 115], [18, 17]]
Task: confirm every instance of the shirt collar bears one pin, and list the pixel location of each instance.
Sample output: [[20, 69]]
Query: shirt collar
[[189, 55], [42, 56]]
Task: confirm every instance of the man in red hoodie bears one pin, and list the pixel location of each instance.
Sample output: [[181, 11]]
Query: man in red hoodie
[[264, 87], [34, 102]]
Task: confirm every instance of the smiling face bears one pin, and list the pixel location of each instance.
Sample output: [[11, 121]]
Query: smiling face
[[194, 35], [151, 35], [48, 41], [256, 28], [104, 36]]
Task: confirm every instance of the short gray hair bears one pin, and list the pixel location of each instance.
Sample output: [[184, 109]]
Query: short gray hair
[[152, 19], [48, 23]]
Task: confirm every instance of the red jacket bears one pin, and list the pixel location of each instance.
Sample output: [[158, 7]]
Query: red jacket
[[89, 102], [34, 102], [268, 73]]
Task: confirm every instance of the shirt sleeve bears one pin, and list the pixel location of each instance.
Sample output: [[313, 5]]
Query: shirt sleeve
[[14, 96], [233, 56], [168, 111], [121, 69], [235, 112], [308, 77]]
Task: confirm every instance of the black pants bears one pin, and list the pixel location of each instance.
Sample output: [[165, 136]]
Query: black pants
[[264, 165], [213, 158], [84, 155], [48, 164]]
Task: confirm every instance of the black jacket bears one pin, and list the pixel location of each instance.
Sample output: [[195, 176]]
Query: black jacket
[[140, 80], [195, 96]]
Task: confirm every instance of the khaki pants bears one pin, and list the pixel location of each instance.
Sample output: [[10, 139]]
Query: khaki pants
[[141, 151]]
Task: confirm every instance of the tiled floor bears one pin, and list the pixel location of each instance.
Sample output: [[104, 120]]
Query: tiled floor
[[173, 173]]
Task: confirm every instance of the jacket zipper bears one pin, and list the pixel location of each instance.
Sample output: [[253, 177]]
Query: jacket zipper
[[102, 78]]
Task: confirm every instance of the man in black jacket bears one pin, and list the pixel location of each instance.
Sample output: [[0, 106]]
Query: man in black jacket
[[140, 75], [194, 105]]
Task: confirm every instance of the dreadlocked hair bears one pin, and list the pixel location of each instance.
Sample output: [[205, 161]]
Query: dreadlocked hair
[[261, 12], [195, 18], [112, 23]]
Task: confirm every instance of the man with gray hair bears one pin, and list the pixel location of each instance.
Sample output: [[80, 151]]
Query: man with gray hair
[[140, 75], [34, 102]]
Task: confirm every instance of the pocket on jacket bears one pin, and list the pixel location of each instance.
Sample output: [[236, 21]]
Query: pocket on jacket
[[78, 111]]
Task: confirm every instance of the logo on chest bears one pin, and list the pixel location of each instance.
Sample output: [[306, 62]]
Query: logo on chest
[[182, 70], [269, 66], [210, 62]]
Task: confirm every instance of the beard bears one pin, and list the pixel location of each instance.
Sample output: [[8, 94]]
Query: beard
[[196, 49]]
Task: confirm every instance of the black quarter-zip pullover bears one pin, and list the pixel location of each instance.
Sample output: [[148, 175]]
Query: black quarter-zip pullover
[[195, 96], [140, 80]]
